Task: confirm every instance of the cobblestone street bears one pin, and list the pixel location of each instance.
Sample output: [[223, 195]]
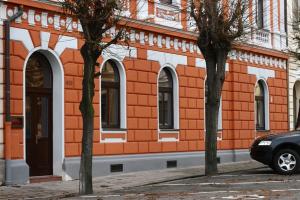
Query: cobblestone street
[[109, 185], [242, 180], [250, 184]]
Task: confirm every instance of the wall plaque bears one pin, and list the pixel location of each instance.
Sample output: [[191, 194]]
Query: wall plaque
[[17, 122]]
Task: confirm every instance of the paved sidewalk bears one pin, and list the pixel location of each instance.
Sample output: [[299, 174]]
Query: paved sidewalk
[[103, 185]]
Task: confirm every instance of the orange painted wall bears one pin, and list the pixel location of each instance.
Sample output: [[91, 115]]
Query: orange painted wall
[[142, 117]]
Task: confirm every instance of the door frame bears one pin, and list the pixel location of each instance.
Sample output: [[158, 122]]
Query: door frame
[[58, 108]]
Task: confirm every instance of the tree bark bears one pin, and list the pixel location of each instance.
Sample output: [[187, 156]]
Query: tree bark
[[215, 67], [87, 112]]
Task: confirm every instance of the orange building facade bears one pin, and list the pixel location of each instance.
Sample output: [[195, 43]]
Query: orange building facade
[[156, 118]]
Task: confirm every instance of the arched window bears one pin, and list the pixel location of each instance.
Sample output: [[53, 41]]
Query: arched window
[[166, 108], [260, 106], [110, 95]]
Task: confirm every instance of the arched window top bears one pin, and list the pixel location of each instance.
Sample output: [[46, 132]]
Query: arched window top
[[110, 72], [165, 79], [38, 72], [259, 89]]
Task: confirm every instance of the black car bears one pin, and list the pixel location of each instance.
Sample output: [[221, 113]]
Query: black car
[[280, 151]]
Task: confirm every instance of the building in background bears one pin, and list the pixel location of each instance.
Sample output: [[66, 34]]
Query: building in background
[[293, 64], [150, 100]]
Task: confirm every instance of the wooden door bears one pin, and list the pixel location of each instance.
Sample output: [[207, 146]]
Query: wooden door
[[39, 135]]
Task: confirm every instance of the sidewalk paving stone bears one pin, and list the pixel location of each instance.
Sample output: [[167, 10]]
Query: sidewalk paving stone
[[118, 181]]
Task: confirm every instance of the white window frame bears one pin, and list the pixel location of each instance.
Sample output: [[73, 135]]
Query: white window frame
[[123, 108], [266, 105], [175, 98]]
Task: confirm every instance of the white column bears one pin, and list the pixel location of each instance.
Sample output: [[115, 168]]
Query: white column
[[276, 35]]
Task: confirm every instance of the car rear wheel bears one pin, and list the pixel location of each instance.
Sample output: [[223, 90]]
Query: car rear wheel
[[286, 161]]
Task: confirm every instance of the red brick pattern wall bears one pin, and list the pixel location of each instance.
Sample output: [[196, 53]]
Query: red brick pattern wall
[[238, 121]]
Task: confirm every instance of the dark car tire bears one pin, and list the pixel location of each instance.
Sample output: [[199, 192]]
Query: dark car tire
[[286, 162]]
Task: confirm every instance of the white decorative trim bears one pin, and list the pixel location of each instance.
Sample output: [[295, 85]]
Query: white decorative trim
[[3, 16], [45, 38], [23, 36], [257, 59], [65, 42], [151, 43], [44, 20], [58, 108], [31, 20], [166, 58], [57, 22], [19, 19], [261, 73], [113, 140], [142, 38], [119, 52], [112, 132], [159, 39], [168, 139], [69, 24]]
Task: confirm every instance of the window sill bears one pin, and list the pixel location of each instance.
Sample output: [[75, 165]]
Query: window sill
[[262, 131], [114, 130], [171, 5], [168, 130]]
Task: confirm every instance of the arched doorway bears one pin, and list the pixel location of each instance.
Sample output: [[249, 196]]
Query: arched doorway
[[39, 111], [296, 102]]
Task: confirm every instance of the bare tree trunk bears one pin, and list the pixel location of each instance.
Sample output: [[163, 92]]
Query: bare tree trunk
[[215, 66], [87, 112], [211, 120]]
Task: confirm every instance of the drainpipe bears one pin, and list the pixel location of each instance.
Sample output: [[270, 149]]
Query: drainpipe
[[7, 61], [8, 172]]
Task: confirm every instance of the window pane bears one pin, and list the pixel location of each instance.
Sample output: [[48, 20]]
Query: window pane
[[113, 108], [104, 99], [110, 72], [165, 79], [38, 72], [260, 14], [259, 89], [260, 121], [161, 113], [165, 110], [168, 110]]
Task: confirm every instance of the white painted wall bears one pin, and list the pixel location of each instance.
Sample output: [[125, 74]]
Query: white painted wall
[[293, 65]]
